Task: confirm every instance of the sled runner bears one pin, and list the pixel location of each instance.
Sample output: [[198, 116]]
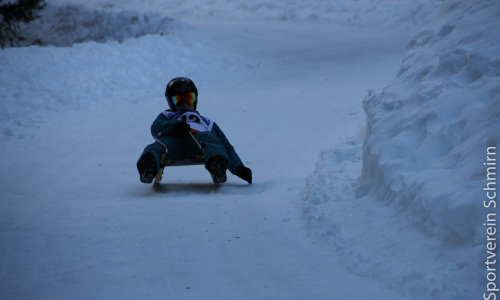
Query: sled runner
[[198, 160], [218, 165], [164, 162]]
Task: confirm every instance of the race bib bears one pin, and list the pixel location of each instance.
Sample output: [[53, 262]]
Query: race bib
[[193, 118]]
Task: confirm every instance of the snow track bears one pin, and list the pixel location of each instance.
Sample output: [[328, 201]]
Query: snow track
[[76, 223], [81, 225]]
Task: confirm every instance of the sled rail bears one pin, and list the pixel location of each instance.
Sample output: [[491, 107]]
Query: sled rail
[[198, 160]]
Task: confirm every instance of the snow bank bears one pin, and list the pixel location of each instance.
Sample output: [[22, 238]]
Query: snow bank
[[428, 130], [420, 194], [366, 13], [38, 80], [68, 24], [372, 13]]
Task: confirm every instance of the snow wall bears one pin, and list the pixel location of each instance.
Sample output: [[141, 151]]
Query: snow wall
[[428, 131]]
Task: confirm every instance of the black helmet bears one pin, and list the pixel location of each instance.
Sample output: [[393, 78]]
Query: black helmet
[[180, 85]]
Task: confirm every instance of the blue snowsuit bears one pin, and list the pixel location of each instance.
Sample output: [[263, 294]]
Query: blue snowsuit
[[204, 130]]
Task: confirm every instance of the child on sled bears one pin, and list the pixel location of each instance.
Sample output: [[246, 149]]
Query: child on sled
[[181, 129]]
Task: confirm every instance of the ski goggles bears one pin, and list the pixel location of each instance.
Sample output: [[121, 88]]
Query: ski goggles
[[187, 97]]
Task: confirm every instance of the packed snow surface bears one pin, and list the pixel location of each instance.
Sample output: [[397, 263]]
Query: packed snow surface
[[393, 203]]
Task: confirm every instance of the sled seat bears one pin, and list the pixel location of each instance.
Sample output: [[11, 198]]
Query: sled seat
[[198, 160]]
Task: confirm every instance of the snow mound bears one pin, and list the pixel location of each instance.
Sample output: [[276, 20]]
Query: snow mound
[[381, 13], [421, 163], [428, 130], [359, 227], [69, 24], [37, 81], [364, 13]]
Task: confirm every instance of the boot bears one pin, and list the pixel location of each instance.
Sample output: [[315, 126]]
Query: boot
[[147, 167], [217, 166]]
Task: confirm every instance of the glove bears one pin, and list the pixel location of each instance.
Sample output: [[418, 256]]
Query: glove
[[244, 173], [181, 128]]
